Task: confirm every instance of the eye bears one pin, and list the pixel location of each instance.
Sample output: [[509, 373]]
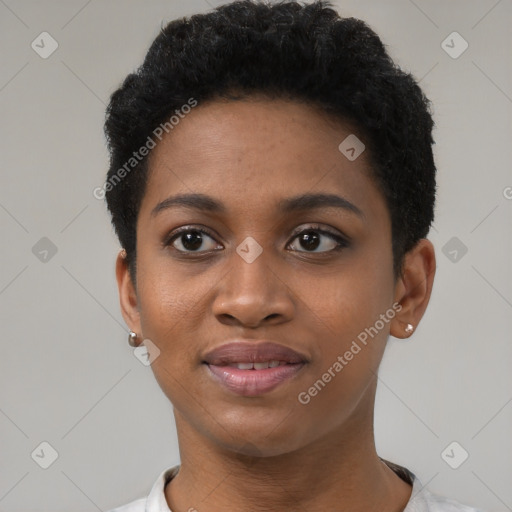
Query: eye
[[311, 240], [314, 239], [190, 240]]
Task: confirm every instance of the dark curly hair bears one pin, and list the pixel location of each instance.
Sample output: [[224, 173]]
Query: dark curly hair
[[303, 52]]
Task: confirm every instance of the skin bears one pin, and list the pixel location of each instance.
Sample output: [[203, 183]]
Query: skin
[[250, 453]]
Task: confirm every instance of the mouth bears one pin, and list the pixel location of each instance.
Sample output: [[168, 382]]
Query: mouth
[[257, 366], [244, 379], [250, 369]]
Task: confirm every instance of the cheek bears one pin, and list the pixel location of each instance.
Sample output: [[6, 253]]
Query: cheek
[[346, 303], [170, 307], [170, 311], [167, 296], [347, 310], [349, 348]]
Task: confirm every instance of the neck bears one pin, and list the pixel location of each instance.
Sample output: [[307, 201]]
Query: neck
[[339, 471]]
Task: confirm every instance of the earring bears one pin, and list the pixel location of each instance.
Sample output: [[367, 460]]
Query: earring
[[132, 339], [409, 328]]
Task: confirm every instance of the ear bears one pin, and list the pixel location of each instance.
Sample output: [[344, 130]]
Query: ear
[[413, 288], [127, 293]]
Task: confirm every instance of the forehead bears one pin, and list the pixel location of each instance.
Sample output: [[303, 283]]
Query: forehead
[[252, 153]]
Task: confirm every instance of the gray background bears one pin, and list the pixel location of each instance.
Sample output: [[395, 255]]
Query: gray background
[[67, 374]]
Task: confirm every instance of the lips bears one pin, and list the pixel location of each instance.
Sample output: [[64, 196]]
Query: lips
[[252, 369], [250, 352]]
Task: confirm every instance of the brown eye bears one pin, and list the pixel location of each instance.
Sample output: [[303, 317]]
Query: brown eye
[[191, 240], [313, 238]]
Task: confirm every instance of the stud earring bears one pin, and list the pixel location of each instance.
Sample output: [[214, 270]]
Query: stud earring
[[132, 339], [409, 328]]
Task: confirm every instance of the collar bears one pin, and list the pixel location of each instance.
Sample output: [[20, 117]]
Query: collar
[[156, 501]]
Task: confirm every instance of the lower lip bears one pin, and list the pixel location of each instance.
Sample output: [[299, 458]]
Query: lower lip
[[254, 382]]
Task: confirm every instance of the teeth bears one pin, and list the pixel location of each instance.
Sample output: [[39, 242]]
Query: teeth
[[258, 366], [244, 366]]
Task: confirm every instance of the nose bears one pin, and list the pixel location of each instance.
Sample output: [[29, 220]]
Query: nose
[[253, 294]]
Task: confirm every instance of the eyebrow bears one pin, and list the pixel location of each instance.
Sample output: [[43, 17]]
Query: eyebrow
[[293, 204]]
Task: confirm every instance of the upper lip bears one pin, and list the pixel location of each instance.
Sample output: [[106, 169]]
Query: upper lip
[[252, 352]]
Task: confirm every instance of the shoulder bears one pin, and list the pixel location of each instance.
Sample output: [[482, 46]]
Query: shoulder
[[423, 500], [431, 502], [134, 506], [155, 501]]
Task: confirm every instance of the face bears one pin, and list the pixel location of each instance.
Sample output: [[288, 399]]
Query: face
[[313, 276]]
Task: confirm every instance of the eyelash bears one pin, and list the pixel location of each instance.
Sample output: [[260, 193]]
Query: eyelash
[[341, 241]]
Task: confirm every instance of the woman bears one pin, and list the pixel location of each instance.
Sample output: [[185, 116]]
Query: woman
[[272, 184]]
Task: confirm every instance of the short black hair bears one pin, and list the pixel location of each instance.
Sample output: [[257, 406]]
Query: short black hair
[[303, 52]]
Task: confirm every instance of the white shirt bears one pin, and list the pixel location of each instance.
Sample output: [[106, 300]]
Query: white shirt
[[421, 499]]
